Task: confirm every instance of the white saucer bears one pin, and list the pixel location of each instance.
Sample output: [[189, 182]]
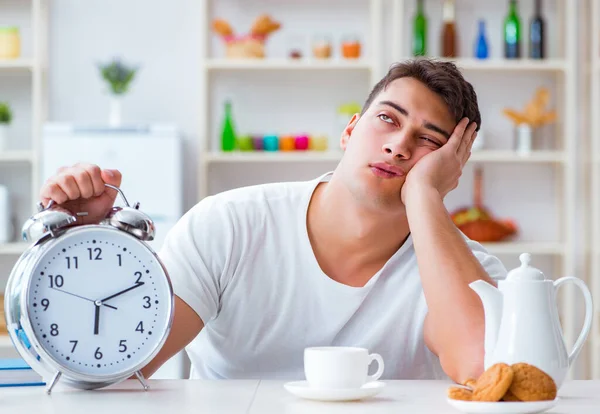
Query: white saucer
[[504, 407], [303, 390]]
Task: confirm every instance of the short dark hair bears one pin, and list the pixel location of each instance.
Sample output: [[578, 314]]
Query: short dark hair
[[442, 78]]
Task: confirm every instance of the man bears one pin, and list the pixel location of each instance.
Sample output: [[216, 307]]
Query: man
[[364, 256]]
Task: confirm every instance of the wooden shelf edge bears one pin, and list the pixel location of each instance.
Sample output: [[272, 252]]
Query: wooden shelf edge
[[5, 341], [17, 64], [16, 156], [487, 156], [517, 247], [495, 64], [14, 248], [285, 64]]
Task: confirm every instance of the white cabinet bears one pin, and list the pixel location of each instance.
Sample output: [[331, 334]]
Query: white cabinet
[[148, 157]]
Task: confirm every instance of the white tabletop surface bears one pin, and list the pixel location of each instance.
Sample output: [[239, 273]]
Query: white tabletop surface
[[257, 397]]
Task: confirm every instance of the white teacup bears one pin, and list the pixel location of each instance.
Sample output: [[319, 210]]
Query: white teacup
[[340, 367]]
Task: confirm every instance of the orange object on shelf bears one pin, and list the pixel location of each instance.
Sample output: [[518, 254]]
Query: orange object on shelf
[[321, 47], [250, 45], [477, 223], [351, 48], [287, 143]]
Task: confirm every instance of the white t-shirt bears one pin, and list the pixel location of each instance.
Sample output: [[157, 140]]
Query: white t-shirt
[[243, 261]]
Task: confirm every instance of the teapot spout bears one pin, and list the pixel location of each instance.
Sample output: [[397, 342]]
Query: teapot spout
[[492, 300]]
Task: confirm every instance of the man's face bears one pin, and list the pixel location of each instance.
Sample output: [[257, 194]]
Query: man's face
[[404, 123]]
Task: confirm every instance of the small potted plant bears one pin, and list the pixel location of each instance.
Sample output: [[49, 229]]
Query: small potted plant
[[5, 120], [528, 121], [119, 76]]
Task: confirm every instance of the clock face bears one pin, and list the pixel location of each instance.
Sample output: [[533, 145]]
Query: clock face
[[99, 302]]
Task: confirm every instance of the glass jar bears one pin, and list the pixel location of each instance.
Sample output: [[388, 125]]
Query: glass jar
[[322, 47], [10, 42], [286, 143], [296, 46], [351, 47], [301, 142], [318, 143]]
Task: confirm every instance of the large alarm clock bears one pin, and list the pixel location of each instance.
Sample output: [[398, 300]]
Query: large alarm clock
[[91, 304]]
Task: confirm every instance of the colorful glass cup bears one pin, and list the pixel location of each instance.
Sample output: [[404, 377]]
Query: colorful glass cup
[[245, 143], [286, 143], [318, 143], [301, 142], [257, 143], [270, 143]]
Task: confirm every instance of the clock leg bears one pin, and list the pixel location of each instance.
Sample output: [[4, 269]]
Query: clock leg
[[53, 382], [141, 378]]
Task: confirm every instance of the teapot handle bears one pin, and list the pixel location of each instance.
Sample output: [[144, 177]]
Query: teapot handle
[[587, 323]]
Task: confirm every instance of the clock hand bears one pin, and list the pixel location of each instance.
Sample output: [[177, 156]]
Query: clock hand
[[137, 285], [81, 297], [96, 318], [73, 294]]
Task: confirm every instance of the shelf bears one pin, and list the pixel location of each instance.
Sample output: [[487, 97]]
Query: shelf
[[513, 156], [516, 248], [276, 156], [490, 156], [16, 156], [285, 64], [16, 64], [15, 248], [5, 341], [548, 65]]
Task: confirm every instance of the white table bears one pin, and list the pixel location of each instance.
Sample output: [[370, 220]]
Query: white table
[[256, 397]]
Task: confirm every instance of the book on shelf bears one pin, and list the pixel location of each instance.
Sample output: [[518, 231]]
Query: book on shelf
[[16, 373]]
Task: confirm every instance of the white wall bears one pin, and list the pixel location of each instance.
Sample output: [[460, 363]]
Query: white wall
[[159, 35], [163, 37]]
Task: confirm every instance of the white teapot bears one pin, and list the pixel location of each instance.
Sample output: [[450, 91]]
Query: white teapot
[[522, 323]]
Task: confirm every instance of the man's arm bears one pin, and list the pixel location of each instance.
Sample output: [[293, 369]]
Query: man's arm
[[454, 326], [186, 326]]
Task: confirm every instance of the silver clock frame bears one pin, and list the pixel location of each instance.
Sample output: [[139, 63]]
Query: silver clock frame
[[18, 319]]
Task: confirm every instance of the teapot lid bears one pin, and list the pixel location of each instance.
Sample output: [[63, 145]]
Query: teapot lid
[[525, 272]]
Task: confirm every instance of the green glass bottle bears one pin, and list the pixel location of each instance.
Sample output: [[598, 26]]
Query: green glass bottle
[[420, 31], [512, 32], [228, 138]]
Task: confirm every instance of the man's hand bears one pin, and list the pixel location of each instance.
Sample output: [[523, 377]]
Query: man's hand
[[81, 188], [442, 168]]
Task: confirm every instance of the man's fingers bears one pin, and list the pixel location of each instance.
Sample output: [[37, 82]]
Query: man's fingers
[[467, 139], [457, 135], [473, 138]]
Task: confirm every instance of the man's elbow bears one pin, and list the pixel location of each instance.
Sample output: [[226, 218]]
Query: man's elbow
[[464, 364]]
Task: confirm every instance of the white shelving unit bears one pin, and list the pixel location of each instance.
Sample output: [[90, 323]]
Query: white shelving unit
[[491, 156], [13, 162], [389, 24], [33, 66], [286, 64], [559, 68], [370, 64], [594, 189]]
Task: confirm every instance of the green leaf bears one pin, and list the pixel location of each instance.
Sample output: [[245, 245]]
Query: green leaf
[[118, 75], [5, 113]]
